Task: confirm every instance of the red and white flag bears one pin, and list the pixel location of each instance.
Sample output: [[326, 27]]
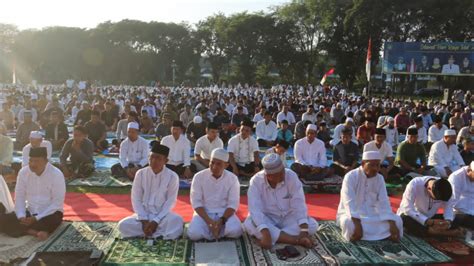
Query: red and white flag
[[369, 57], [323, 80]]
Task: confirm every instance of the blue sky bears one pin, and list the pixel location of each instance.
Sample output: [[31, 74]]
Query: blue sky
[[88, 13]]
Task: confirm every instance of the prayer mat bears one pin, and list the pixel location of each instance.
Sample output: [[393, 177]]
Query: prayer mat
[[449, 246], [100, 178], [410, 250], [22, 247], [104, 162], [70, 258], [84, 236], [252, 254], [135, 251], [216, 253]]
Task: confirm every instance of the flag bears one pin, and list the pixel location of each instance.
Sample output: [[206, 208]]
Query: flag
[[14, 73], [330, 72], [369, 57]]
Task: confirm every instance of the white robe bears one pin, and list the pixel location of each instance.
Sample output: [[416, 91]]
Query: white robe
[[278, 209], [366, 199], [442, 156], [153, 197], [215, 196], [5, 196]]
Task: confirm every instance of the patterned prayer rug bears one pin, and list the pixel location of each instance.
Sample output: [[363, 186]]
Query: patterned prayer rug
[[84, 236], [22, 247], [135, 251], [410, 250], [100, 178]]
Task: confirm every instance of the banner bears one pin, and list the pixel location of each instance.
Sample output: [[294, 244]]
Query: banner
[[441, 58]]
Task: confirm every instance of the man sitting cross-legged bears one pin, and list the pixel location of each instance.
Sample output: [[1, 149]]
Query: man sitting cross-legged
[[154, 194], [462, 182], [422, 199], [277, 207], [39, 198], [364, 211], [215, 194]]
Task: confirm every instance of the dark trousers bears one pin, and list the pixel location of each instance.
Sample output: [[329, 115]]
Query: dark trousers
[[81, 169], [263, 143], [464, 220], [415, 228], [248, 168], [304, 172], [10, 225], [179, 169]]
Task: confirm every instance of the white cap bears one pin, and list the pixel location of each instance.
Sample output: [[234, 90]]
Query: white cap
[[371, 155], [85, 102], [311, 127], [197, 120], [272, 163], [349, 120], [220, 154], [390, 119], [472, 165], [449, 132], [36, 135], [133, 125]]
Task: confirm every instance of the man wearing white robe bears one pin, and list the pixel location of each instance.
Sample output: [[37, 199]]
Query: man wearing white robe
[[36, 140], [266, 131], [154, 194], [179, 159], [277, 207], [444, 155], [462, 182], [215, 195], [6, 205], [39, 198], [133, 154], [364, 211], [422, 199]]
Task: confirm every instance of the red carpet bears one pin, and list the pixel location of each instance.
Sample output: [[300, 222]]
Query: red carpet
[[106, 207]]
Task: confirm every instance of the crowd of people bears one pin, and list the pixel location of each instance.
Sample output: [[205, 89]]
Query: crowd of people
[[228, 128]]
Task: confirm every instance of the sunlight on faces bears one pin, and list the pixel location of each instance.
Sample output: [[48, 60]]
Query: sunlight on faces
[[212, 133], [132, 134], [37, 164], [245, 131], [371, 167], [217, 167], [157, 161], [379, 139], [311, 135], [279, 149], [176, 132], [450, 140]]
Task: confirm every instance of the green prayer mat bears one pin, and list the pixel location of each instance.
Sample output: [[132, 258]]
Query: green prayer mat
[[410, 250], [100, 178], [135, 251], [84, 236]]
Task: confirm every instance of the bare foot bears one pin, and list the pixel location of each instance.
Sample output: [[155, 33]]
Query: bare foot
[[42, 235]]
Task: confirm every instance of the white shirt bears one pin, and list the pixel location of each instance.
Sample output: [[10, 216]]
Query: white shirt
[[180, 150], [5, 196], [443, 156], [422, 135], [41, 195], [121, 132], [385, 149], [392, 135], [215, 195], [463, 191], [26, 152], [417, 204], [74, 112], [204, 147], [21, 114], [310, 117], [266, 131], [154, 195], [288, 117], [135, 152], [243, 150], [276, 204], [312, 154], [364, 198], [258, 117], [435, 134]]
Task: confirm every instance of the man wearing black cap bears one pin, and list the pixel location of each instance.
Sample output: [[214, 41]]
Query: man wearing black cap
[[422, 199], [180, 150], [422, 135], [243, 151], [39, 198], [154, 194], [409, 152]]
